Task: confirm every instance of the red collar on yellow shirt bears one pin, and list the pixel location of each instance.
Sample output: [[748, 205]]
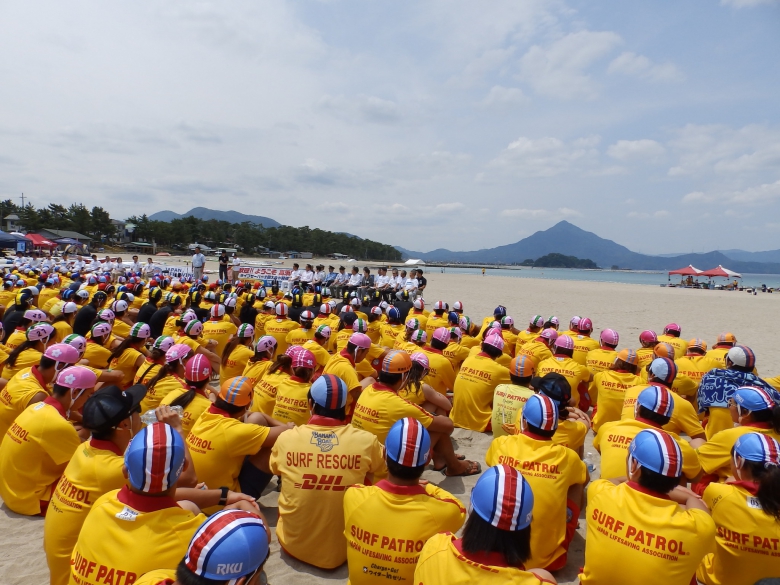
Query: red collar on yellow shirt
[[105, 446], [51, 401], [536, 437], [144, 503], [635, 486], [401, 490], [649, 422], [750, 486], [36, 372], [758, 425], [215, 410], [326, 421], [346, 354], [490, 559], [383, 388]]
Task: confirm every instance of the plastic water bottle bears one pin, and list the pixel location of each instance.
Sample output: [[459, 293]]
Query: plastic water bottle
[[150, 417]]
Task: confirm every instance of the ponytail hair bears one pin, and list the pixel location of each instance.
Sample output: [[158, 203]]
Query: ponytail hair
[[26, 344], [229, 347], [259, 356], [414, 381], [185, 399], [283, 362], [304, 374], [165, 370], [770, 415], [120, 349], [768, 479]]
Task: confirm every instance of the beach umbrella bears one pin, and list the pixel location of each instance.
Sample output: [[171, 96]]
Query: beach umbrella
[[720, 271], [687, 271]]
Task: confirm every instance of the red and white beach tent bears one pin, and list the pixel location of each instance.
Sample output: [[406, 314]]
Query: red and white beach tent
[[687, 271], [720, 271]]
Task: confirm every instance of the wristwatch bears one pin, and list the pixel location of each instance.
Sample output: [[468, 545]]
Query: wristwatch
[[223, 498]]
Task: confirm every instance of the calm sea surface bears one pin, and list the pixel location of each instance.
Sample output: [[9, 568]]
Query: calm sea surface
[[628, 277]]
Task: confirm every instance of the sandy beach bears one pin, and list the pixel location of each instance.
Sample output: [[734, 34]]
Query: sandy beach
[[629, 309]]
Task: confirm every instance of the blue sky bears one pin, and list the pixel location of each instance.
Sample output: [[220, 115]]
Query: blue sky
[[425, 124]]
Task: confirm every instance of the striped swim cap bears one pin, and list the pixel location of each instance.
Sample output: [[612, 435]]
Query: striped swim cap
[[657, 451], [503, 498], [408, 443], [155, 458]]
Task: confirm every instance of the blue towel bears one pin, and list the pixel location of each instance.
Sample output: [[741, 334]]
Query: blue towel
[[718, 386]]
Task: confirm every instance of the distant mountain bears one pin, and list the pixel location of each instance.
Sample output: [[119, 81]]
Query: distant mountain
[[207, 214], [742, 255], [566, 238], [767, 256], [165, 216]]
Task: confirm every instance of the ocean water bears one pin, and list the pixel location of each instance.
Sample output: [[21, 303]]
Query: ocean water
[[649, 278]]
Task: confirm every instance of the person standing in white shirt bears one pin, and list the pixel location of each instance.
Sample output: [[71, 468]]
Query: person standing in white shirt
[[235, 267], [198, 263], [148, 269]]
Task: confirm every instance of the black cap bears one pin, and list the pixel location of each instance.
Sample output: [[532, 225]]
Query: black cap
[[554, 386], [109, 406]]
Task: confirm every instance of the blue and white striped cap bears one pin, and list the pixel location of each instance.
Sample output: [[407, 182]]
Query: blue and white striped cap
[[503, 498], [658, 451], [408, 443], [541, 412], [658, 399], [229, 545]]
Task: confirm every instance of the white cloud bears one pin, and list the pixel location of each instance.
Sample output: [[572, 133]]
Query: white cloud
[[629, 63], [395, 208], [757, 195], [608, 171], [560, 69], [660, 214], [540, 213], [695, 197], [481, 65], [524, 213], [333, 207], [363, 108], [747, 3], [504, 96], [547, 157], [636, 150], [765, 193], [448, 207], [722, 149]]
